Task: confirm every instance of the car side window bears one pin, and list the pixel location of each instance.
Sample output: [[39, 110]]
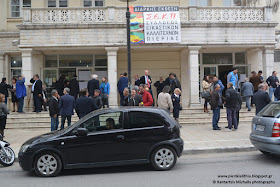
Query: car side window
[[107, 121], [145, 119]]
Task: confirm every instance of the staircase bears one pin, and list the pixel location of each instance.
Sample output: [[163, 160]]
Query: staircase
[[190, 116]]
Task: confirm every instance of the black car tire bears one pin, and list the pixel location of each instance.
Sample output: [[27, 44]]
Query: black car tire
[[163, 154], [265, 153], [12, 154], [48, 160]]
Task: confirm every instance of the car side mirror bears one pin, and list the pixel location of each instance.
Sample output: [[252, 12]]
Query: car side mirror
[[82, 132]]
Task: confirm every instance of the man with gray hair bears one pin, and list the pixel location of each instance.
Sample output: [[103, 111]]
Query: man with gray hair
[[216, 103], [261, 98], [92, 85], [66, 106], [54, 110]]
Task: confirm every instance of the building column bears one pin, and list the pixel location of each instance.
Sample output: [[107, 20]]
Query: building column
[[27, 65], [1, 64], [185, 79], [112, 75], [268, 61], [194, 75], [255, 59]]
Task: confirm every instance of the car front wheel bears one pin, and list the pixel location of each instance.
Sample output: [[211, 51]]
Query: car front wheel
[[47, 165], [163, 158]]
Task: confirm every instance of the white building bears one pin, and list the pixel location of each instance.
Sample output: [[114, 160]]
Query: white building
[[67, 37]]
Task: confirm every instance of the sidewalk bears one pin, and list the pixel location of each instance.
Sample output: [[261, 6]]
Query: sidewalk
[[197, 138]]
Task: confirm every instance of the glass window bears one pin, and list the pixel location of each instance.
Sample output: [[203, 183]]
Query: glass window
[[192, 3], [63, 3], [87, 3], [145, 119], [203, 3], [16, 62], [242, 70], [15, 8], [101, 62], [237, 2], [199, 3], [26, 3], [16, 73], [233, 2], [51, 61], [75, 60], [276, 56], [99, 3], [51, 3], [272, 110], [217, 58], [107, 121], [240, 58]]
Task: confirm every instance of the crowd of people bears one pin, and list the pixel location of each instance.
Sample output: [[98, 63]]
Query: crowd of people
[[254, 90]]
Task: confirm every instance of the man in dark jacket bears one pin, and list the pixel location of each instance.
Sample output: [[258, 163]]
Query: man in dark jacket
[[97, 99], [93, 84], [37, 92], [175, 83], [216, 103], [74, 87], [137, 80], [168, 80], [54, 110], [255, 80], [4, 88], [261, 98], [146, 79], [135, 100], [272, 82], [238, 107], [66, 106], [231, 101], [159, 85], [122, 84], [84, 104]]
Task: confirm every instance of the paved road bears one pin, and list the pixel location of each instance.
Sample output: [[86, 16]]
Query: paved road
[[191, 170]]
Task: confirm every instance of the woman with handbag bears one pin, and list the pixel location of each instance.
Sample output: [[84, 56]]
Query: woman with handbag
[[206, 91]]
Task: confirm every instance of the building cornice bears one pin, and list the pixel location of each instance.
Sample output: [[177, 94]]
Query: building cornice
[[9, 34]]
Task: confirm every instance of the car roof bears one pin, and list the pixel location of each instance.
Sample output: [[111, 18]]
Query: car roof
[[133, 108]]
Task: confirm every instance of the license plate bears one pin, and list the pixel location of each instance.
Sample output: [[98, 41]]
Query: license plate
[[260, 128]]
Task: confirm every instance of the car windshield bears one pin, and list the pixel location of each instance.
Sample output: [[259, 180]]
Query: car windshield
[[271, 110]]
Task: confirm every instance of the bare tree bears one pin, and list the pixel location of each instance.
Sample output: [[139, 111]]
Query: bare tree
[[274, 4]]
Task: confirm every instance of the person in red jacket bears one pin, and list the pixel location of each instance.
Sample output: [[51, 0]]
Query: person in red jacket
[[146, 96]]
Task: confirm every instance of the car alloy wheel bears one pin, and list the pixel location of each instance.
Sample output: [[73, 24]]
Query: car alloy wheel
[[7, 159], [47, 165], [164, 158]]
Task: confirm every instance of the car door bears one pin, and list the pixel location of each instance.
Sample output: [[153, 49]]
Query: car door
[[142, 131], [102, 144]]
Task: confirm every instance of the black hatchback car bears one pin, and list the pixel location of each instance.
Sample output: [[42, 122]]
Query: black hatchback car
[[108, 137]]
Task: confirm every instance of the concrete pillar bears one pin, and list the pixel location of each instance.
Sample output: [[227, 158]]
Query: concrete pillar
[[112, 75], [185, 79], [27, 65], [255, 59], [1, 64], [268, 61], [7, 65], [194, 75]]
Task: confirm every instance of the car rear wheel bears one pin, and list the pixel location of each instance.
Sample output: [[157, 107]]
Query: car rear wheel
[[164, 158], [265, 153], [47, 164]]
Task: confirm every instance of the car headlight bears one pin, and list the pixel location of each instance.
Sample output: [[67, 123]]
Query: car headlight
[[24, 148]]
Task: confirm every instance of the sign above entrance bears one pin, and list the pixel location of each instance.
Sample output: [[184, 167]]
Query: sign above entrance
[[155, 24]]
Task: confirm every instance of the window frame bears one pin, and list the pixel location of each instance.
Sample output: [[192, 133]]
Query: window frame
[[93, 3], [57, 4], [20, 8], [198, 3], [232, 4], [278, 53]]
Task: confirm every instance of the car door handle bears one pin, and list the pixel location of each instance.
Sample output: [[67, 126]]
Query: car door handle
[[121, 137]]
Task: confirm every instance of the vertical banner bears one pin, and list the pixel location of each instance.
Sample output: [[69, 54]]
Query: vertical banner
[[136, 26], [161, 24]]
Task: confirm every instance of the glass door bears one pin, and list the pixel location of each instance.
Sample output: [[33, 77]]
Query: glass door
[[49, 79], [83, 76]]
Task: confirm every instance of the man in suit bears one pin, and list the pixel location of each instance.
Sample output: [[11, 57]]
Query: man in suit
[[54, 110], [37, 92], [146, 79], [4, 88], [272, 82], [93, 84], [74, 87], [84, 104], [135, 99], [261, 98], [247, 90], [122, 84], [137, 80], [66, 107], [175, 83]]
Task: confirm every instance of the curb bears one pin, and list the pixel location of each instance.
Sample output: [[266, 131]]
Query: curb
[[209, 150], [218, 150]]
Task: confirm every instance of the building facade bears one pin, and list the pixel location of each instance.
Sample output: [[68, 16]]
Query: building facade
[[81, 37]]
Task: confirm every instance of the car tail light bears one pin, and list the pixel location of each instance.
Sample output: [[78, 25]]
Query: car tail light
[[276, 130]]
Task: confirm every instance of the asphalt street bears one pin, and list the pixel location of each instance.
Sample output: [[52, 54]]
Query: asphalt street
[[216, 169]]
